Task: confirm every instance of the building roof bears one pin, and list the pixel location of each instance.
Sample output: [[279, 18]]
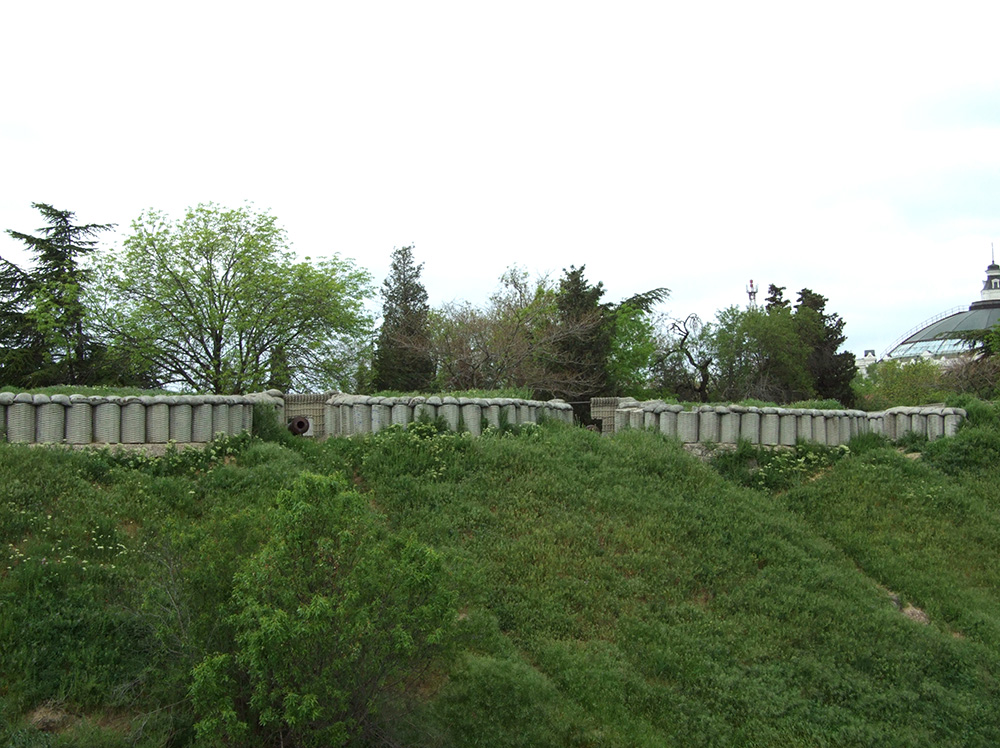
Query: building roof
[[937, 337]]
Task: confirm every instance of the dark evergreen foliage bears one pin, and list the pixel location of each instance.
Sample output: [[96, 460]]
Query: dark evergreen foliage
[[580, 309], [402, 360], [775, 298], [831, 369], [43, 327], [593, 325]]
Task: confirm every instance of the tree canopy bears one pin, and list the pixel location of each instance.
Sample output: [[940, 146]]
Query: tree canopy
[[559, 340], [776, 353], [217, 302], [402, 360], [43, 319]]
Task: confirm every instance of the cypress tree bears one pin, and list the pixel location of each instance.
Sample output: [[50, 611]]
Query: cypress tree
[[402, 357]]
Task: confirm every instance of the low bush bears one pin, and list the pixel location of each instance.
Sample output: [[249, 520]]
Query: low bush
[[332, 616], [888, 384], [775, 469]]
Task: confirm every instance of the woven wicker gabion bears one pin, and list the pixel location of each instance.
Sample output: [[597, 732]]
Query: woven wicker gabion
[[709, 425], [313, 407], [201, 420], [180, 421], [108, 420], [79, 421], [50, 424], [769, 426], [687, 427], [381, 417], [21, 419], [450, 413], [220, 418], [235, 418], [788, 430], [133, 422], [157, 420]]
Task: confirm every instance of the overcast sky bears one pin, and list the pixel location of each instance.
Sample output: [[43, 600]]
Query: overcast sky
[[852, 148]]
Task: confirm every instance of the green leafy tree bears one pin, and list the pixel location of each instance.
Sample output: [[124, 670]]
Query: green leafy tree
[[777, 353], [514, 342], [887, 384], [402, 360], [633, 351], [217, 302], [822, 333], [758, 355], [43, 320], [334, 617]]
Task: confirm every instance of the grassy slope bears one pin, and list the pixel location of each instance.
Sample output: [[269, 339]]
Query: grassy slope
[[614, 591], [642, 599]]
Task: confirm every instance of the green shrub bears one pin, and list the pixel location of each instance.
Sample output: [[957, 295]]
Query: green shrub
[[265, 424], [503, 702], [775, 469], [888, 384], [332, 616], [972, 450], [175, 461], [977, 412]]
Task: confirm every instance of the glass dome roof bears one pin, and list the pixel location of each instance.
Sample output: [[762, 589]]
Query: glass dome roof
[[939, 337]]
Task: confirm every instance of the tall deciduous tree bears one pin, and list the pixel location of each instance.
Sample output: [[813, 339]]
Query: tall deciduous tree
[[402, 359], [758, 355], [776, 353], [43, 318], [515, 341], [683, 364], [216, 301]]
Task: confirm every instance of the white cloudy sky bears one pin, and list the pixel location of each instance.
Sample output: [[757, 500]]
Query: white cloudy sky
[[850, 147]]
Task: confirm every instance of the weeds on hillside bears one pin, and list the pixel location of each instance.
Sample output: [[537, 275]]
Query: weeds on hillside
[[175, 461], [775, 469], [610, 591]]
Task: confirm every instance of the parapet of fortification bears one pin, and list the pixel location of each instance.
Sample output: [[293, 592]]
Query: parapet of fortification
[[728, 424], [347, 415], [81, 420]]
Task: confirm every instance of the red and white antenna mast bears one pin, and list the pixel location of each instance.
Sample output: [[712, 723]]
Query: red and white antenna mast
[[752, 293]]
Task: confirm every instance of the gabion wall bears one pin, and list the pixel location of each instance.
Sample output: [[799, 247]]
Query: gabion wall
[[781, 426], [80, 419], [347, 415]]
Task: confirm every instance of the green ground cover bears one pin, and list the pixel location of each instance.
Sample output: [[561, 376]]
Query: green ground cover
[[548, 587]]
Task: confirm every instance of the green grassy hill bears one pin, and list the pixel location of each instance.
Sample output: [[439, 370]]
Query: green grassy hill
[[598, 592]]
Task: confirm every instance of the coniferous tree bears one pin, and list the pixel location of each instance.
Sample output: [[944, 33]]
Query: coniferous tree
[[402, 360], [598, 326], [775, 298], [587, 352], [43, 315], [831, 369]]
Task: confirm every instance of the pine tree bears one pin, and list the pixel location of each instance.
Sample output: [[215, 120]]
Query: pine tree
[[402, 359], [823, 334], [42, 308]]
